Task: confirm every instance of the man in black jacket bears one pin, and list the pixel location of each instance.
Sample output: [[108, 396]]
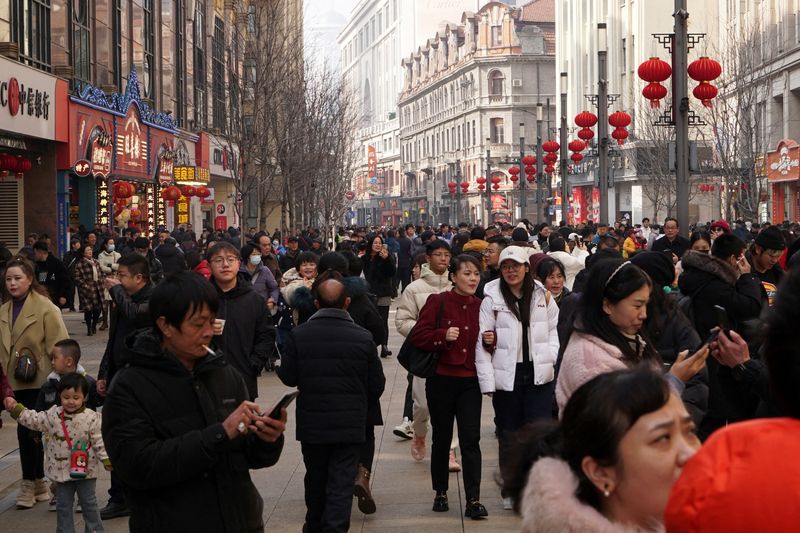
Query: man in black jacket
[[288, 260], [178, 426], [171, 257], [51, 273], [333, 363], [404, 257], [142, 247], [130, 291], [243, 329], [672, 241]]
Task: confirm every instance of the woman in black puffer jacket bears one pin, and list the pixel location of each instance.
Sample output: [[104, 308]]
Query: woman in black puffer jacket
[[379, 270]]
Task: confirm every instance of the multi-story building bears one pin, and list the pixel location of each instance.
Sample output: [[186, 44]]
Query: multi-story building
[[470, 93], [764, 39], [117, 91], [629, 39], [372, 45]]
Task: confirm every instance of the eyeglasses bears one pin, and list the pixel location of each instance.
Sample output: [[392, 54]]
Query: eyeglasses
[[774, 253], [511, 266], [219, 261]]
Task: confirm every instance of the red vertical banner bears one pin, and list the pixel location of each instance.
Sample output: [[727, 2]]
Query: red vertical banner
[[578, 211], [596, 206], [372, 161]]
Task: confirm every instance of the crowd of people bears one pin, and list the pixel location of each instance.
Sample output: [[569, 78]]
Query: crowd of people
[[626, 366]]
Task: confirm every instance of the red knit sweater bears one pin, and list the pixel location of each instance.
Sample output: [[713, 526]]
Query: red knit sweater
[[458, 357]]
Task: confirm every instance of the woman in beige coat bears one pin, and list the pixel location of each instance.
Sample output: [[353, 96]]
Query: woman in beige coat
[[30, 324]]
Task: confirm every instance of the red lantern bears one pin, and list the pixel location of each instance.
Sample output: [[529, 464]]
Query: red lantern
[[464, 186], [654, 70], [576, 157], [704, 69], [495, 179], [480, 180], [585, 119], [513, 171], [514, 178], [10, 163], [171, 194], [530, 170], [711, 187], [549, 169], [654, 92], [702, 187], [619, 119], [23, 164], [620, 134], [496, 186], [452, 184], [187, 191], [550, 159], [122, 189], [550, 146], [202, 192], [586, 134], [531, 178], [135, 213], [481, 187], [576, 146], [705, 92], [529, 160], [2, 162]]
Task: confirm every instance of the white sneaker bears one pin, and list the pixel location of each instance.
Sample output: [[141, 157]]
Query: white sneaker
[[508, 504], [404, 430]]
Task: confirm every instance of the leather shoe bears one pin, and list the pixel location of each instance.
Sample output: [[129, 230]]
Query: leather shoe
[[475, 510], [440, 504], [114, 510]]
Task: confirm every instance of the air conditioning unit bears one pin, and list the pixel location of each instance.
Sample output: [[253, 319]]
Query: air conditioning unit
[[516, 83]]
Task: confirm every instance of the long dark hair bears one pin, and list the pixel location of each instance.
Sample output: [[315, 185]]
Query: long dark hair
[[612, 280], [596, 418], [521, 312]]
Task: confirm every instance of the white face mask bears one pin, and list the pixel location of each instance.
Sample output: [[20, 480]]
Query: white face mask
[[255, 259], [110, 247]]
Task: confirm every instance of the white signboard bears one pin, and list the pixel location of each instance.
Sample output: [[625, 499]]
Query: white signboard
[[27, 100]]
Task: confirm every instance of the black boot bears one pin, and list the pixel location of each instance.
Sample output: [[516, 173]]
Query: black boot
[[440, 504], [87, 317], [95, 318]]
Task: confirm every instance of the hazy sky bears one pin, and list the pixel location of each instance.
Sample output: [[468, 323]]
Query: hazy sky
[[324, 19]]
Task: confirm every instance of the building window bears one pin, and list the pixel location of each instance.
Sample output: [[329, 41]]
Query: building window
[[624, 56], [218, 74], [81, 42], [496, 127], [180, 62], [148, 38], [200, 103], [497, 36], [496, 81], [30, 29], [251, 18], [116, 52], [473, 133]]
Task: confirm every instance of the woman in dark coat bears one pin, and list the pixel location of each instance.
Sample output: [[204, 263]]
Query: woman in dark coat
[[89, 279], [379, 270]]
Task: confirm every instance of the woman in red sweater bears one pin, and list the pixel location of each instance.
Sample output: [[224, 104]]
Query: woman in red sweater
[[454, 393]]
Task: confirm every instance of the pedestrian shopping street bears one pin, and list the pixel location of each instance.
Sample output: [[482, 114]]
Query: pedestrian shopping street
[[401, 486]]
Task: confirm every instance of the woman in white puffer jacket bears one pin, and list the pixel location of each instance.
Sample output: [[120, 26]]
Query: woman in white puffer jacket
[[516, 355]]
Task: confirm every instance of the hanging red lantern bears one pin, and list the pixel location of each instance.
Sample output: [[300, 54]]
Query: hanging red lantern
[[620, 134], [619, 119], [10, 163], [654, 92], [550, 146], [513, 171], [514, 178], [550, 159], [576, 157], [705, 92], [529, 160], [464, 186], [495, 179], [586, 134], [135, 213], [576, 146], [702, 187], [530, 170], [496, 186], [585, 119], [187, 191], [122, 189], [531, 178], [480, 180], [481, 187], [202, 192], [2, 162], [171, 193], [549, 169], [452, 185], [23, 164], [704, 69]]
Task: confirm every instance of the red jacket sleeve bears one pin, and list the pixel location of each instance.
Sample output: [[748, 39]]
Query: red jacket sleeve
[[425, 335]]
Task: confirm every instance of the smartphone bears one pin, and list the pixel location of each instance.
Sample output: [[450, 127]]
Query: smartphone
[[282, 404], [712, 336], [722, 319]]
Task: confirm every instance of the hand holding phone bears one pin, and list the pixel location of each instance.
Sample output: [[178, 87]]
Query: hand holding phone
[[723, 322], [283, 403]]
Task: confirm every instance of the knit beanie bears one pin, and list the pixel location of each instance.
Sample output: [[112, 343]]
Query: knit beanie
[[658, 266]]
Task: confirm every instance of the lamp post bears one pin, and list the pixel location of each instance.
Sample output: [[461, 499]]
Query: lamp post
[[602, 119], [488, 182], [681, 103], [564, 169], [539, 175], [523, 201]]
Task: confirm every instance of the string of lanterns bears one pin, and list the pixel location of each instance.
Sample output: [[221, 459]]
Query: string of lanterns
[[17, 165]]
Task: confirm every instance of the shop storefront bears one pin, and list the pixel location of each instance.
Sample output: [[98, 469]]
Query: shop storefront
[[33, 124], [783, 175], [120, 157]]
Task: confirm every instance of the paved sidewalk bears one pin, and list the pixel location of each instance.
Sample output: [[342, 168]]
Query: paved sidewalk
[[401, 486]]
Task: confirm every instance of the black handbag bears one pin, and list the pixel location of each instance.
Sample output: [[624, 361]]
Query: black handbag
[[421, 363], [25, 367]]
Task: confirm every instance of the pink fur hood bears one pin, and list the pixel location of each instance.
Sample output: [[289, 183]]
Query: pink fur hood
[[549, 504]]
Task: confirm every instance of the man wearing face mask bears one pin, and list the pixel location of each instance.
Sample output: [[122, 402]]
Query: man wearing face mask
[[259, 276]]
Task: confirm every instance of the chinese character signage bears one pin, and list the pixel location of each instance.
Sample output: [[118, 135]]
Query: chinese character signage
[[183, 210], [103, 200], [784, 163], [190, 175], [131, 143], [27, 100], [165, 170], [101, 159], [372, 161]]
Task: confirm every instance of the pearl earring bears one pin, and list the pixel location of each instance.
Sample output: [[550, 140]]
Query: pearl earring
[[606, 492]]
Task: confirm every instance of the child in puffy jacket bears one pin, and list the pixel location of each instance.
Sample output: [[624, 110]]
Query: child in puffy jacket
[[73, 451]]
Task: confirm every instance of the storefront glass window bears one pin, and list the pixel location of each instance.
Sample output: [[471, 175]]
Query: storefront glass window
[[30, 29]]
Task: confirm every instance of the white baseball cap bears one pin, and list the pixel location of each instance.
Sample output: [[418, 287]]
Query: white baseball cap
[[574, 237], [514, 253]]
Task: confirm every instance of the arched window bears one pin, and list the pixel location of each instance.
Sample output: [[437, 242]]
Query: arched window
[[496, 82]]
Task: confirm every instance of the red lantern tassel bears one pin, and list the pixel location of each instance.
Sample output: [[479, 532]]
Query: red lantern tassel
[[707, 103], [655, 103]]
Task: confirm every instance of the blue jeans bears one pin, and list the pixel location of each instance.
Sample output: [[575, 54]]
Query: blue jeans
[[65, 495]]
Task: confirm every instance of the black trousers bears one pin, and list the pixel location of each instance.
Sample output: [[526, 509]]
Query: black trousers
[[31, 451], [449, 399], [514, 409], [403, 276], [330, 471], [116, 493], [367, 452], [383, 311], [408, 405]]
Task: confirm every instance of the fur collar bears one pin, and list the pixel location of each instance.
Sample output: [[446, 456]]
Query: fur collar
[[549, 504], [712, 265]]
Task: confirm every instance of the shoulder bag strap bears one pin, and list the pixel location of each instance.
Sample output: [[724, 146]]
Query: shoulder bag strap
[[64, 427]]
